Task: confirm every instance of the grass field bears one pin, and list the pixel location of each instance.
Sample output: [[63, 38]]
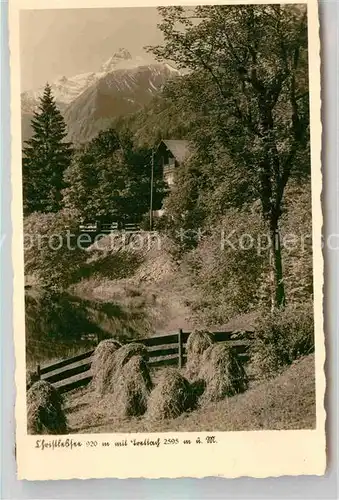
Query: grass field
[[286, 402]]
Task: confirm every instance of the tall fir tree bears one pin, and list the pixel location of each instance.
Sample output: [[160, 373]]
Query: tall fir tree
[[45, 158]]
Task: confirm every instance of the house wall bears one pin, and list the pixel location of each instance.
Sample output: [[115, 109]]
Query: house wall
[[168, 164], [169, 176]]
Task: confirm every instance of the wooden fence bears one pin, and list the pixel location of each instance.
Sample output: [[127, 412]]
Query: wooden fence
[[110, 227], [166, 350]]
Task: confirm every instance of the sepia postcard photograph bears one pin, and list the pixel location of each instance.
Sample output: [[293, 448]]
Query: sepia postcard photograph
[[167, 239]]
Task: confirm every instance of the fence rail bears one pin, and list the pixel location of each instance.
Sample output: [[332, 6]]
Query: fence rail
[[96, 227], [166, 350]]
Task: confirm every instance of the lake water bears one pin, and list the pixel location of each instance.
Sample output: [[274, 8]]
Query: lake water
[[60, 325]]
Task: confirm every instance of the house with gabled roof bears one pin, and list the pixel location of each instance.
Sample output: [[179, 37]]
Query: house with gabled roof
[[170, 154]]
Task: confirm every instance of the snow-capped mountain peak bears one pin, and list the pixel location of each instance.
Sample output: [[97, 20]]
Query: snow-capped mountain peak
[[121, 56], [64, 89], [89, 101], [67, 89]]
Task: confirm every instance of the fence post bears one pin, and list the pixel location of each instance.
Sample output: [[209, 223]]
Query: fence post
[[38, 372], [180, 348]]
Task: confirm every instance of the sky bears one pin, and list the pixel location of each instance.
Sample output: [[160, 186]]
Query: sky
[[65, 42]]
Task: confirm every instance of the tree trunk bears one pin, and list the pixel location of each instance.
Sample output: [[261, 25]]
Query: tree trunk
[[276, 262], [272, 287]]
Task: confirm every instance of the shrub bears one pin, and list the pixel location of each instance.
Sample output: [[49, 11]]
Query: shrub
[[133, 387], [45, 414], [281, 338], [229, 263], [222, 372], [52, 254], [223, 269], [298, 258], [171, 397]]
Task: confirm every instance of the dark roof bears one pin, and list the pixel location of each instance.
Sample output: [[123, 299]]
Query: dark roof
[[179, 149]]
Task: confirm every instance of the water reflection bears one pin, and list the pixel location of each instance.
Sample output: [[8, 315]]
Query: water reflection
[[60, 325]]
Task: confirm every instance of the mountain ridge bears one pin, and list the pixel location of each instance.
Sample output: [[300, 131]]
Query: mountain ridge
[[89, 101]]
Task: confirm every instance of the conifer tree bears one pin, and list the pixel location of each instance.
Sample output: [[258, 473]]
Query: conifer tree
[[45, 157]]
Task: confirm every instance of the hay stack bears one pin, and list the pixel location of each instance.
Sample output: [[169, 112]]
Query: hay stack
[[222, 373], [106, 374], [132, 389], [171, 397], [197, 343], [127, 351], [45, 414], [103, 351], [102, 354], [31, 378]]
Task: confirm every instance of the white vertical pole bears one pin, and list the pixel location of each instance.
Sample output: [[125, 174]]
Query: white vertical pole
[[151, 198]]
